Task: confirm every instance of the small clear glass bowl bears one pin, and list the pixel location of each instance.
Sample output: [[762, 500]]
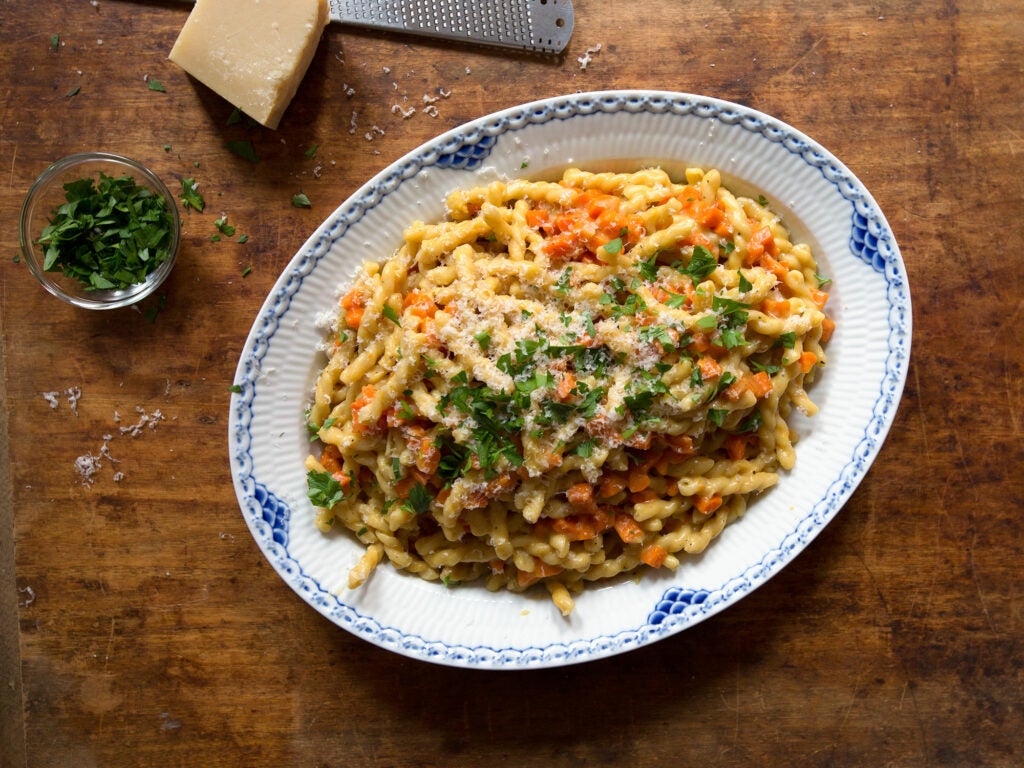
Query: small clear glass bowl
[[47, 194]]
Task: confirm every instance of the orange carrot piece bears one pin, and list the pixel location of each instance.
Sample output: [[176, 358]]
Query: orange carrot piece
[[819, 297], [709, 368], [828, 327], [611, 484], [711, 217], [736, 446], [776, 308], [366, 396], [419, 304], [654, 555], [760, 384], [735, 390], [638, 481], [707, 504], [562, 246], [580, 495], [540, 571], [807, 361], [628, 528], [535, 217], [565, 386], [354, 305]]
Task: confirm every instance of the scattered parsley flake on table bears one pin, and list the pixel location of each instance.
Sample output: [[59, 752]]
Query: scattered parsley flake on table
[[190, 196], [244, 149]]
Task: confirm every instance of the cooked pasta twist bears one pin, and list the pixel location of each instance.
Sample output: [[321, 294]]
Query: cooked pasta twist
[[565, 381]]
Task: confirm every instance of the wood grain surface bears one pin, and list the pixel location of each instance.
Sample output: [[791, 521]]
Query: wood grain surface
[[141, 624]]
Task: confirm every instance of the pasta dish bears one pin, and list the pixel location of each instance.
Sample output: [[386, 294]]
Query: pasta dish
[[565, 381]]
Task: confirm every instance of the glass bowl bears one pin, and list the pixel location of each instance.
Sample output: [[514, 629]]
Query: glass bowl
[[43, 203]]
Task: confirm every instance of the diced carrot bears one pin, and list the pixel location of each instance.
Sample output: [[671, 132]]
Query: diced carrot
[[709, 368], [330, 459], [762, 241], [562, 246], [760, 384], [707, 504], [735, 391], [420, 304], [575, 528], [492, 489], [654, 555], [736, 445], [354, 305], [766, 261], [582, 527], [660, 294], [638, 480], [611, 484], [428, 455], [540, 571], [711, 217], [681, 446], [601, 204], [700, 342], [819, 297], [535, 217], [565, 386], [776, 308], [410, 479], [552, 459], [497, 566], [807, 361], [366, 396], [648, 494], [828, 327], [628, 528], [581, 495]]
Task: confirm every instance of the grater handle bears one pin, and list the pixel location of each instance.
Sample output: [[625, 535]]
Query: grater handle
[[542, 26]]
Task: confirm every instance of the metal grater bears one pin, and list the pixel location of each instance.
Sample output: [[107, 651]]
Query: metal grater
[[542, 26]]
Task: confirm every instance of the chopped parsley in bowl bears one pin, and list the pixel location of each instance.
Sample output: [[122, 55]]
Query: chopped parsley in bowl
[[99, 230]]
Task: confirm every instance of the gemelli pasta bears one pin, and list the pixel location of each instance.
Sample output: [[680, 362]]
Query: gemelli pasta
[[565, 381]]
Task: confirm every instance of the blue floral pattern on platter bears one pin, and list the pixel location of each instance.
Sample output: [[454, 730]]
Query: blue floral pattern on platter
[[469, 148]]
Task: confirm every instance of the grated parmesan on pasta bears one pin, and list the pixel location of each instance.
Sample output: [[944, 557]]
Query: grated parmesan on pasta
[[565, 381]]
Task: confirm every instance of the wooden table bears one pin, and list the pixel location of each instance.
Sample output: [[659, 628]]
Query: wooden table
[[141, 625]]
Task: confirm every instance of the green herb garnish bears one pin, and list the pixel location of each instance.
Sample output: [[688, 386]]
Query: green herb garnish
[[389, 312], [190, 197], [301, 201], [109, 235], [244, 149], [323, 489], [418, 501], [702, 263]]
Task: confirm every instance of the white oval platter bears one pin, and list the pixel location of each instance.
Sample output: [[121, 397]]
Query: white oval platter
[[820, 201]]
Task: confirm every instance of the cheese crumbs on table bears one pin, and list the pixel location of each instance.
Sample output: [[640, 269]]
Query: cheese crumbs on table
[[565, 381]]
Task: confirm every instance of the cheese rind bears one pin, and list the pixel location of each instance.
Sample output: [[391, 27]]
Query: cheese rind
[[253, 53]]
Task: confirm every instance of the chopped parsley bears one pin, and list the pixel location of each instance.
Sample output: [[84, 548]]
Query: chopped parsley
[[702, 263], [244, 149], [110, 234], [323, 489], [389, 312], [190, 197]]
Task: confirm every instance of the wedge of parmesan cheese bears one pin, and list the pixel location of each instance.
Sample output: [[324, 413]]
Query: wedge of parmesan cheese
[[253, 53]]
